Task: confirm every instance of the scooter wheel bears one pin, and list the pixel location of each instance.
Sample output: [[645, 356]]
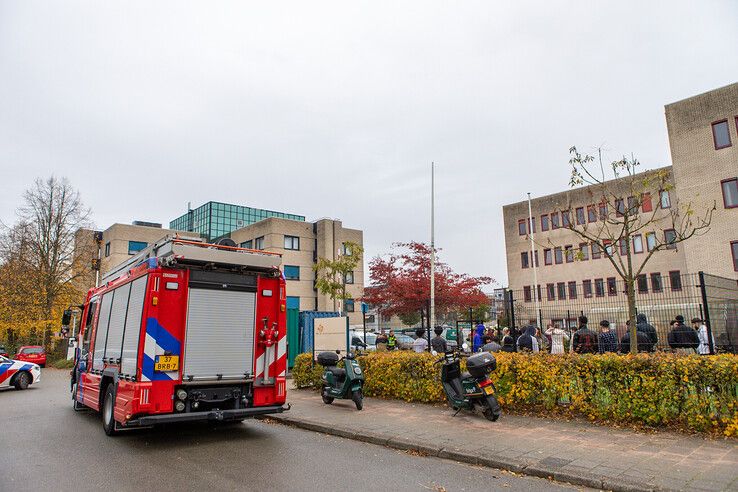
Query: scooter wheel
[[327, 399], [358, 399], [491, 415]]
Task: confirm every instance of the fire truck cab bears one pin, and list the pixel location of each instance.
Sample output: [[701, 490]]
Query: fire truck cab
[[184, 331]]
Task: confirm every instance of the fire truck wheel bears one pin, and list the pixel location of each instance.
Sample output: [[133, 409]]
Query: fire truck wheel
[[108, 418]]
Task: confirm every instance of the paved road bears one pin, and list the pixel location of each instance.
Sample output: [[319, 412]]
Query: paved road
[[55, 448]]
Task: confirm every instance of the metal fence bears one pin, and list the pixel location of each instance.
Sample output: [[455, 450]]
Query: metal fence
[[708, 297]]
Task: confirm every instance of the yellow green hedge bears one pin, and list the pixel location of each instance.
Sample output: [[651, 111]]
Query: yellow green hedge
[[691, 392]]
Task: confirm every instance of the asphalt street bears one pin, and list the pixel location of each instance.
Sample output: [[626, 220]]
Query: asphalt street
[[45, 445]]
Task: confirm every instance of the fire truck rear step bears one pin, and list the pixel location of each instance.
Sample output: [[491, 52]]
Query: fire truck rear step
[[211, 415]]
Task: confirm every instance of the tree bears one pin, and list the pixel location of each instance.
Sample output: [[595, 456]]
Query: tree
[[409, 319], [401, 283], [40, 248], [629, 207], [330, 275]]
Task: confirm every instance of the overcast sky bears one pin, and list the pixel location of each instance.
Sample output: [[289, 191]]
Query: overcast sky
[[336, 109]]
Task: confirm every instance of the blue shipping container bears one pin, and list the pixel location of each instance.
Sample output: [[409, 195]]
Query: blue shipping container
[[307, 322]]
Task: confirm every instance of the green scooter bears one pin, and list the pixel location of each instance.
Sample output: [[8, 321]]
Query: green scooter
[[342, 383]]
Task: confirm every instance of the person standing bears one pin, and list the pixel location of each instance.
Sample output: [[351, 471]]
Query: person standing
[[478, 339], [644, 326], [438, 343], [420, 343], [607, 340], [682, 339], [557, 338], [584, 340], [382, 342], [490, 344], [391, 340], [527, 341], [701, 329]]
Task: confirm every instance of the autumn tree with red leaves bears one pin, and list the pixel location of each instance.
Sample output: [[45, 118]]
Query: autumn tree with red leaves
[[401, 283]]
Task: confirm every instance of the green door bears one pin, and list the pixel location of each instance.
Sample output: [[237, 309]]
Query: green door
[[293, 336]]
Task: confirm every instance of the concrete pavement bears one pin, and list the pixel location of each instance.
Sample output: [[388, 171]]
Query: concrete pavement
[[45, 445], [575, 452]]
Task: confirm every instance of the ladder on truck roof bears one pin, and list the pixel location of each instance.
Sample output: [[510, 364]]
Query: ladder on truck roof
[[172, 250]]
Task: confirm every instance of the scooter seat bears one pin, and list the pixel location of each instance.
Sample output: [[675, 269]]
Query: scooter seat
[[338, 372], [465, 375]]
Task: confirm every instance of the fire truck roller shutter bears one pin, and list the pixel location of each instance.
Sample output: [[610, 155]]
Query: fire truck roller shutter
[[129, 352], [102, 331], [117, 322], [220, 334]]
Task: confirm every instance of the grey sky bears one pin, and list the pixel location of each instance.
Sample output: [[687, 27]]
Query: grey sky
[[337, 109]]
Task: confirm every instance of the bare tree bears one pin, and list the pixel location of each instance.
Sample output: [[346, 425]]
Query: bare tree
[[627, 206], [53, 211]]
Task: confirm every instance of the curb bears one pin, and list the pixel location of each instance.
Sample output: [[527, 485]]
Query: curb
[[518, 466]]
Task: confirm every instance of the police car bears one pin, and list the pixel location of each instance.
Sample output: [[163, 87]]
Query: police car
[[18, 373]]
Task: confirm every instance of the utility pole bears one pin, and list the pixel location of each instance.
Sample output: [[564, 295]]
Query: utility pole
[[432, 320], [533, 261]]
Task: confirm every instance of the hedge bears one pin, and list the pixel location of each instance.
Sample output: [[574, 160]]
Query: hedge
[[697, 393]]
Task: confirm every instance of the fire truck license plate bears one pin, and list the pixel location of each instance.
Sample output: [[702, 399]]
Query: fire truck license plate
[[166, 363], [489, 389]]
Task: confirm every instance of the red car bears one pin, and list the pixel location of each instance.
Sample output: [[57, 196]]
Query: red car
[[32, 353]]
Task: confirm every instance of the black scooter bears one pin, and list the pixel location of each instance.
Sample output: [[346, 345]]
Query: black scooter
[[473, 389]]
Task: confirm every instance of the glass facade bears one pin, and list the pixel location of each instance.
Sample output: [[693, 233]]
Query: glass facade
[[214, 219]]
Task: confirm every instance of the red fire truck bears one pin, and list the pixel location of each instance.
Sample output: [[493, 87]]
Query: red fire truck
[[184, 331]]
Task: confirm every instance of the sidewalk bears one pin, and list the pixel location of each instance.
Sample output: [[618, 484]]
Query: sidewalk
[[575, 452]]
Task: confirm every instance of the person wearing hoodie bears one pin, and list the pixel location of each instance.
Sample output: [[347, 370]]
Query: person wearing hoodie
[[644, 326], [642, 340], [683, 339], [584, 340], [527, 341], [478, 339]]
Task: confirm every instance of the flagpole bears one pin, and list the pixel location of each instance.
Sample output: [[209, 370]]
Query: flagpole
[[533, 261], [432, 320]]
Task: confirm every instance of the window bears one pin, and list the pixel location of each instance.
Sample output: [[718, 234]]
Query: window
[[544, 222], [623, 245], [532, 224], [521, 227], [591, 213], [651, 241], [136, 246], [547, 257], [291, 242], [587, 288], [248, 244], [612, 286], [572, 290], [107, 250], [347, 249], [637, 244], [580, 216], [721, 134], [293, 302], [555, 220], [675, 280], [599, 287], [524, 259], [292, 272], [349, 277], [646, 204], [609, 250], [584, 251], [633, 205], [642, 283], [656, 284], [550, 292], [561, 290], [349, 304], [259, 242], [569, 253], [734, 252], [603, 210], [665, 199], [526, 293], [730, 193], [566, 218], [619, 207], [670, 238], [596, 253], [535, 256], [558, 255]]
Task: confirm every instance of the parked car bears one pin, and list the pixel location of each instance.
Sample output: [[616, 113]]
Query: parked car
[[18, 373], [357, 341], [4, 351], [404, 342], [32, 353]]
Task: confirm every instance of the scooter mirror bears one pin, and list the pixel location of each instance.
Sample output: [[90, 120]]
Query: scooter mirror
[[465, 346], [434, 352]]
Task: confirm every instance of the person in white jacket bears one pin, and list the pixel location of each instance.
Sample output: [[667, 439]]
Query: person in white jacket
[[701, 328], [557, 338]]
